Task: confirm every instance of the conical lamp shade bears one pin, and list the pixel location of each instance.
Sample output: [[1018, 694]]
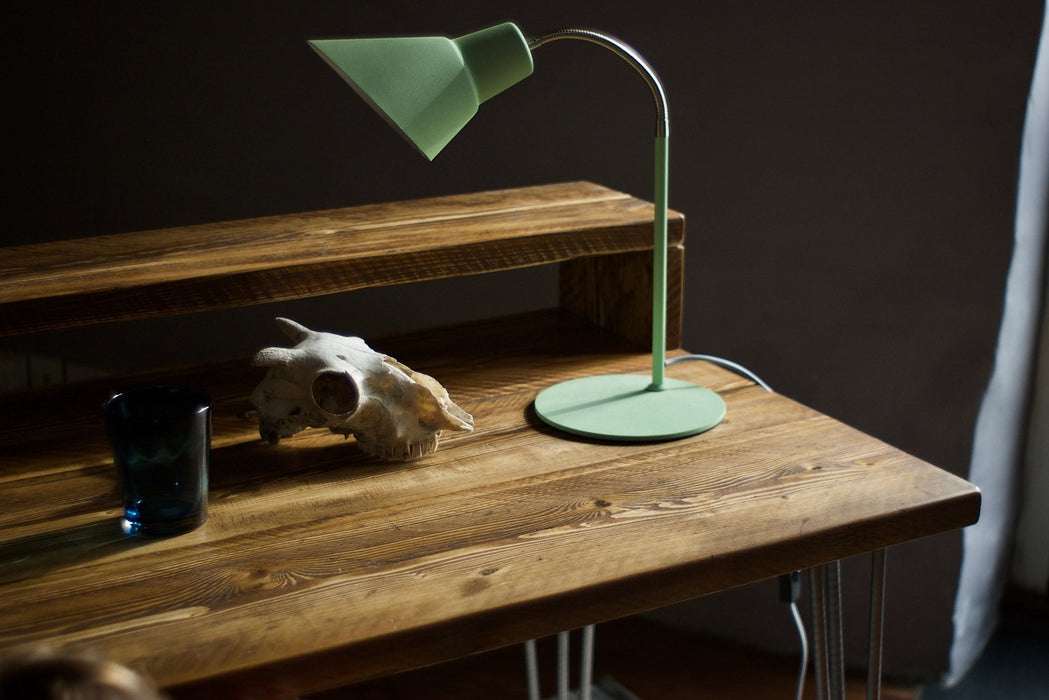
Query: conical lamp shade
[[428, 88]]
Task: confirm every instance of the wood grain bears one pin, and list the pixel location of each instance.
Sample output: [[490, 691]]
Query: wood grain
[[317, 559], [86, 281], [615, 292]]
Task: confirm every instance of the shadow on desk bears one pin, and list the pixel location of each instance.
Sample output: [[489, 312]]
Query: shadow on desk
[[32, 556], [315, 456]]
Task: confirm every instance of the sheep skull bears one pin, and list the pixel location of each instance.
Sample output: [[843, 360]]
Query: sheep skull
[[338, 382]]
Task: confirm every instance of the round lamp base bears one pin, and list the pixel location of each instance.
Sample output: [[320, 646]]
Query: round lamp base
[[622, 407]]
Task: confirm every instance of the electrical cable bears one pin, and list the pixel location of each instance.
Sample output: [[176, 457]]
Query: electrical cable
[[790, 584], [728, 364], [789, 592], [804, 650]]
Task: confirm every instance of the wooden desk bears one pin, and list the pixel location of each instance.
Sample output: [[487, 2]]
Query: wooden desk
[[319, 566], [316, 558]]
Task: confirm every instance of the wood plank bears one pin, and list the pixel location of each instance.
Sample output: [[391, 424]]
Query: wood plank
[[615, 293], [316, 557], [78, 282]]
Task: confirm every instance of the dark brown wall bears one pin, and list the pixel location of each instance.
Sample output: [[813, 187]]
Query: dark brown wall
[[847, 169]]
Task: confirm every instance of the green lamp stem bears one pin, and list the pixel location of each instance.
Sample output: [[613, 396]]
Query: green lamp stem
[[659, 244]]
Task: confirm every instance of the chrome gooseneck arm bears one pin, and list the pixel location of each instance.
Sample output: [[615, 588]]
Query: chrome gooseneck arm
[[659, 246], [628, 54]]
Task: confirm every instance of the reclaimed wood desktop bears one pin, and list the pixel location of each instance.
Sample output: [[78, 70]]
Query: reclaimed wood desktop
[[319, 566]]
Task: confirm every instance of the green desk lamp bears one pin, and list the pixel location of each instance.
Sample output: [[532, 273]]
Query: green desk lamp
[[428, 88]]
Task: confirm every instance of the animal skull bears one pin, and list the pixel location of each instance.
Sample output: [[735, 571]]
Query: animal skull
[[339, 382]]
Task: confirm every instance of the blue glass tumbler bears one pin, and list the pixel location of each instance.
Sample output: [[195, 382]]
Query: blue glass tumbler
[[161, 438]]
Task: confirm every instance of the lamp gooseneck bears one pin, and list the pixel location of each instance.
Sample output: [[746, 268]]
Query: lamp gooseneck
[[660, 199], [628, 54]]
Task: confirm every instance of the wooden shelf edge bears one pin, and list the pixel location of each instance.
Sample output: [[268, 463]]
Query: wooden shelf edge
[[69, 284]]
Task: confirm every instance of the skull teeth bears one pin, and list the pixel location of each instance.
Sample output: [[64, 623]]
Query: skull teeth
[[403, 451]]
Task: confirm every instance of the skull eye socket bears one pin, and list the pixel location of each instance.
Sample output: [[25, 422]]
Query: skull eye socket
[[335, 393]]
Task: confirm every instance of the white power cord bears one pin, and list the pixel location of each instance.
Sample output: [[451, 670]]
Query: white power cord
[[804, 650], [792, 596], [728, 364]]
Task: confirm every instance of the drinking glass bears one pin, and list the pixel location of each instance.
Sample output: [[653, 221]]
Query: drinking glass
[[161, 438]]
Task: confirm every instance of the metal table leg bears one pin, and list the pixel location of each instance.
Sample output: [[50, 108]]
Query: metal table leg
[[835, 644], [826, 612], [532, 669], [586, 665], [819, 634], [587, 689], [562, 665], [877, 621]]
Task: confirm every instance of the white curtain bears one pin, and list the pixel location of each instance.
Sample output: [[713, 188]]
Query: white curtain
[[1030, 570], [1000, 443]]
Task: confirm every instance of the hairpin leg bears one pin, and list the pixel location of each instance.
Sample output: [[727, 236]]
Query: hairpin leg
[[836, 654], [586, 668], [825, 581], [819, 634], [562, 666], [877, 619], [532, 669]]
